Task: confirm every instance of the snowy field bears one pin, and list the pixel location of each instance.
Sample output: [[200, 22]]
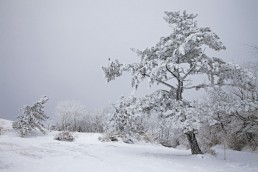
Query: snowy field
[[88, 154]]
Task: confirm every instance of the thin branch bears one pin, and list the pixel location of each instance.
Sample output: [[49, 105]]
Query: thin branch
[[246, 120], [161, 90], [190, 70], [240, 117], [207, 85], [162, 82], [198, 86], [171, 72]]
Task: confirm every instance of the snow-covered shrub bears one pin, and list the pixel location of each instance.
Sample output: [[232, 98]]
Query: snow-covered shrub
[[235, 106], [32, 119], [107, 137], [125, 121], [252, 140], [93, 122], [172, 142], [128, 139], [69, 114], [236, 143], [64, 136], [74, 116], [209, 136]]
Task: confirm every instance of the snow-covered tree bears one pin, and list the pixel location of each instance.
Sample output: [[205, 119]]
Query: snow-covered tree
[[74, 116], [69, 114], [172, 62], [100, 118], [235, 105], [126, 120], [32, 118]]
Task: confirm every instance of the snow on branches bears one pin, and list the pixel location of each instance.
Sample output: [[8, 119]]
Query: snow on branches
[[33, 117], [173, 62], [125, 119], [173, 58], [113, 70]]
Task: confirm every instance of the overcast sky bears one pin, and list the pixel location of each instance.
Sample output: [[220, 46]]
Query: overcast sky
[[56, 48]]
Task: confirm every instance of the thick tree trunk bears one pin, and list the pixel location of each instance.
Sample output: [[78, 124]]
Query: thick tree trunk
[[195, 149]]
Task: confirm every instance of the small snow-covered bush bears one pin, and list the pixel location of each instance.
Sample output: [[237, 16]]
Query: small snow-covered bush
[[170, 143], [106, 137], [64, 136]]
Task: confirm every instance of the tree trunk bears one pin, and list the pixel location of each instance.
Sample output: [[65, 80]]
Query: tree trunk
[[179, 90], [75, 126], [195, 149]]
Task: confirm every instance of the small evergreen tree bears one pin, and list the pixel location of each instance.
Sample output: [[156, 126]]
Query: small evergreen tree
[[32, 118]]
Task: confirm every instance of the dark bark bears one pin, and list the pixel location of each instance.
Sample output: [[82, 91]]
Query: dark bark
[[195, 149], [179, 90]]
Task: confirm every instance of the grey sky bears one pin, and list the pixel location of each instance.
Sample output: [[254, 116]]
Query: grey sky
[[56, 48]]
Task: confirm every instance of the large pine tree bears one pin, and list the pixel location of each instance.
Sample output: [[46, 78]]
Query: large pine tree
[[173, 62]]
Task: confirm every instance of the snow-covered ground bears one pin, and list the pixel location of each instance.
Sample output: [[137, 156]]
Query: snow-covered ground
[[88, 154]]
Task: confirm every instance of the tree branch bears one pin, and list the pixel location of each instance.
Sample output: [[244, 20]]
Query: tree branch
[[190, 70], [162, 82], [171, 72], [246, 120], [198, 86], [207, 85]]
